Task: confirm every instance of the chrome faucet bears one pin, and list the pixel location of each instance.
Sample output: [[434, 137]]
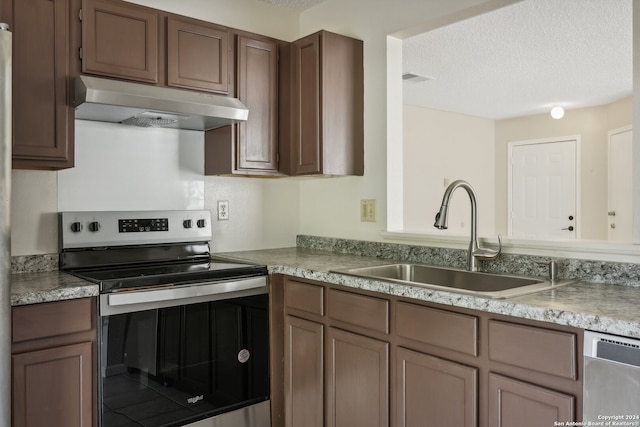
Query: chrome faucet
[[476, 252]]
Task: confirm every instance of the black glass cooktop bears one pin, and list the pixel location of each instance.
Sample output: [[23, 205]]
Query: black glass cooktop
[[167, 274]]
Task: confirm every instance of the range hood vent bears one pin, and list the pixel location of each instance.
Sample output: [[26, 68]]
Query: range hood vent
[[137, 104]]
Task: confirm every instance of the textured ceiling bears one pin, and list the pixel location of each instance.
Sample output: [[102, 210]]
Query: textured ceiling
[[524, 58], [294, 4]]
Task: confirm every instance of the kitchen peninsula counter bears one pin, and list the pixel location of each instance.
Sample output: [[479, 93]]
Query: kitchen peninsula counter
[[605, 308]]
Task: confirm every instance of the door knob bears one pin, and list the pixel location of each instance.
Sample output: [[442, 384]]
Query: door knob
[[612, 226], [611, 213], [570, 217], [570, 228]]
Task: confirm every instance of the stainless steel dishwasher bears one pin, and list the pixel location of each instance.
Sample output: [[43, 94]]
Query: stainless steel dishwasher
[[611, 379]]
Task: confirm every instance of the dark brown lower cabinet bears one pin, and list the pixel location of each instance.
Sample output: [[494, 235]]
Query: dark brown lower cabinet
[[303, 373], [357, 380], [54, 364], [50, 387], [434, 389], [393, 361], [517, 403]]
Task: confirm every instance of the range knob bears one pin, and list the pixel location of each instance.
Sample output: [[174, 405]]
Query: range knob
[[76, 227], [94, 226], [187, 223], [202, 223]]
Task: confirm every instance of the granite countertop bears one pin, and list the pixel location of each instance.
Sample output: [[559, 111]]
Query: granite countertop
[[48, 286], [605, 308]]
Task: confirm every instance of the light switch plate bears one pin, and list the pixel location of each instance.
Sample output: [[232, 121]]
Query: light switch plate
[[368, 210]]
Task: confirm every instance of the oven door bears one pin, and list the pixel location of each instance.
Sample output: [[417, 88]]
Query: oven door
[[174, 359]]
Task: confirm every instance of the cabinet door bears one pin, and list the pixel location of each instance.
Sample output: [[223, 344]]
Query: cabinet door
[[120, 40], [303, 373], [342, 104], [434, 389], [258, 89], [357, 380], [197, 55], [42, 83], [306, 137], [513, 402], [327, 134], [53, 387]]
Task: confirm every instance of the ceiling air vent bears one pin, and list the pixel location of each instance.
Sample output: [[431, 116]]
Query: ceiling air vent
[[415, 78]]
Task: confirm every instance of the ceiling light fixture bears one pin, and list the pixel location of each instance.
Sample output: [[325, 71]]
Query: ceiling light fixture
[[557, 112]]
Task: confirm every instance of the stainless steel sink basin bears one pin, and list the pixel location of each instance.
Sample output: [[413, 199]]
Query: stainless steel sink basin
[[453, 280]]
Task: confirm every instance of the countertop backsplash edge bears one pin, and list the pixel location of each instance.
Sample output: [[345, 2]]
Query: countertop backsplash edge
[[34, 263], [606, 272]]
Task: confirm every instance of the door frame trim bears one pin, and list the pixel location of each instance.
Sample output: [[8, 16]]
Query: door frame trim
[[578, 179], [612, 132]]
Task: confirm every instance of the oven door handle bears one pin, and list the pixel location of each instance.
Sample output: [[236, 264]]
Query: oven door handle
[[130, 301]]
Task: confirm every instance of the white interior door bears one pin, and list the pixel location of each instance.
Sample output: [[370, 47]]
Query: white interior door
[[543, 189], [620, 192]]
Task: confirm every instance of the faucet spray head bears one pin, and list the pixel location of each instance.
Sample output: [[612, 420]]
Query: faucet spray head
[[441, 218]]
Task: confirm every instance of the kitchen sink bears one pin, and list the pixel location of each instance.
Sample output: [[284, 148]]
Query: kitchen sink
[[454, 280]]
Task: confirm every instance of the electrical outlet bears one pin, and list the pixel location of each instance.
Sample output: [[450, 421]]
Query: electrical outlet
[[368, 210], [223, 210]]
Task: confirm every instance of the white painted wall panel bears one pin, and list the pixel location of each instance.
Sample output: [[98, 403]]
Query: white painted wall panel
[[122, 167], [440, 147]]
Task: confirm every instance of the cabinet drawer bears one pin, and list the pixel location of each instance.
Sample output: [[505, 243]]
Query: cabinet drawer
[[359, 310], [542, 350], [449, 330], [50, 319], [304, 297]]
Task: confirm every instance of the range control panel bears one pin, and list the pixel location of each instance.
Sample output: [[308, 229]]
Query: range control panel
[[115, 228], [143, 224]]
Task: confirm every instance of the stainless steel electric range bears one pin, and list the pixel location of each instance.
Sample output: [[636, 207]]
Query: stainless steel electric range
[[183, 340]]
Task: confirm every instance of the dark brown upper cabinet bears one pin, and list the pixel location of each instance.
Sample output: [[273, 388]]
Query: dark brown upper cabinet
[[197, 55], [132, 42], [120, 40], [251, 147], [43, 61], [327, 134], [258, 90]]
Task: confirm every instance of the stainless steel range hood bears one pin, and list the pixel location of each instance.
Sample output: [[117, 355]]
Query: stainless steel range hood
[[137, 104]]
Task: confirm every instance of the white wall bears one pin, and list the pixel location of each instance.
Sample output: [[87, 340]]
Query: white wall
[[440, 147], [251, 15], [263, 213], [34, 207], [592, 124], [132, 168]]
